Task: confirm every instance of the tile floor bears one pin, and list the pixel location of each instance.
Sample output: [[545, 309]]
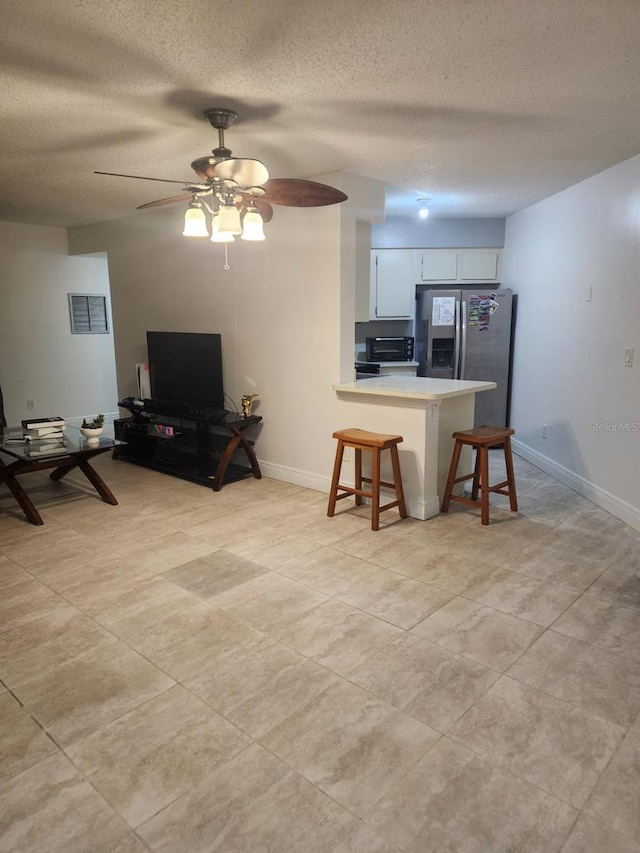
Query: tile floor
[[235, 672]]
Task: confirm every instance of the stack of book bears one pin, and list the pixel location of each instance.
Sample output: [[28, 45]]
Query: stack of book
[[44, 435]]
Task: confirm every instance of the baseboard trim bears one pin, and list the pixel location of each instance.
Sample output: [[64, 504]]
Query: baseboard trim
[[616, 506], [416, 509]]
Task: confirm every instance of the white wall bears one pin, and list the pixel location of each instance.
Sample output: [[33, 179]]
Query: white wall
[[69, 375], [285, 310], [569, 352]]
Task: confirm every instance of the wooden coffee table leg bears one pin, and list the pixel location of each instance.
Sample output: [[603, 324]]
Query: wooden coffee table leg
[[97, 482], [23, 499]]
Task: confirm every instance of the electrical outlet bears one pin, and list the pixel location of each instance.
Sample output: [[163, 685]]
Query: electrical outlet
[[545, 430], [346, 454], [589, 294], [31, 404], [628, 357]]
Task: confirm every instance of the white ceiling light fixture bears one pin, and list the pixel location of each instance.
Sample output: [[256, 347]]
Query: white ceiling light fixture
[[424, 210]]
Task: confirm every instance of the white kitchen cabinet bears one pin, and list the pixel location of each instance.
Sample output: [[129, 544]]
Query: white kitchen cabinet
[[438, 264], [393, 284], [457, 266]]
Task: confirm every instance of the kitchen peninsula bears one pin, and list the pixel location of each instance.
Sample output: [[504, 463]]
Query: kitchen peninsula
[[425, 412]]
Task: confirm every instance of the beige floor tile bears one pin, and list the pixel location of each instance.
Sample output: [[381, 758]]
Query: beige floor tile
[[535, 601], [27, 602], [252, 803], [603, 624], [11, 573], [157, 589], [350, 745], [620, 584], [395, 598], [149, 757], [51, 808], [337, 636], [616, 801], [273, 548], [33, 649], [39, 549], [269, 600], [322, 530], [424, 680], [22, 741], [257, 687], [214, 573], [386, 548], [80, 696], [445, 564], [328, 570], [223, 531], [546, 564], [594, 679], [592, 836], [547, 742], [185, 643], [453, 801], [132, 614], [477, 632], [581, 543], [364, 840]]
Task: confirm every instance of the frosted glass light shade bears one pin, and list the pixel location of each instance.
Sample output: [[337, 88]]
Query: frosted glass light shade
[[423, 212], [218, 236], [252, 226], [195, 223], [229, 219]]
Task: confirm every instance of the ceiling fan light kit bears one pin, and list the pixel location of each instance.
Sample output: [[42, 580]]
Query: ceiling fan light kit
[[237, 192]]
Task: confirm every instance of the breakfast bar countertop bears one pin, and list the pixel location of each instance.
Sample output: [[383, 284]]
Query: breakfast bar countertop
[[414, 387]]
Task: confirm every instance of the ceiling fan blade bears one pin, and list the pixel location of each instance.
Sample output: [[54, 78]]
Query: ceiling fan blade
[[185, 197], [295, 192], [245, 172], [141, 178]]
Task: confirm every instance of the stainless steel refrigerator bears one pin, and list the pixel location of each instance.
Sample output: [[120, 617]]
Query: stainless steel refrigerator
[[467, 333]]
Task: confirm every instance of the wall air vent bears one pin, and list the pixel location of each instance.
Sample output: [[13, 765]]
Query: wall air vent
[[88, 314]]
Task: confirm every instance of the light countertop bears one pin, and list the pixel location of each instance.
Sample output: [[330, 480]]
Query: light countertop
[[414, 387]]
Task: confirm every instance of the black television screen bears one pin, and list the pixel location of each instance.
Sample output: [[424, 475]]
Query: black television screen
[[186, 367]]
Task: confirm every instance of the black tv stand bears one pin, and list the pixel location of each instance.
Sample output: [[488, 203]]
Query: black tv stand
[[206, 446]]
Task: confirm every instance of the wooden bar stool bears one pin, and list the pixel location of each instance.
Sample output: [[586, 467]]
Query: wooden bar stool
[[376, 442], [483, 438]]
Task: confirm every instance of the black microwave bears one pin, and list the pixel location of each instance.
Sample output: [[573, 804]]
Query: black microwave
[[389, 349]]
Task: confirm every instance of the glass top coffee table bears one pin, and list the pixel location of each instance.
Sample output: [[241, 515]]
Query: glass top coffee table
[[76, 453]]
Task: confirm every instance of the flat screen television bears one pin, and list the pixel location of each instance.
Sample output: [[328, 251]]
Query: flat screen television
[[186, 367]]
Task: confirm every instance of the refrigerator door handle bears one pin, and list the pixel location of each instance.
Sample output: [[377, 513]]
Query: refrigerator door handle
[[463, 357], [456, 352]]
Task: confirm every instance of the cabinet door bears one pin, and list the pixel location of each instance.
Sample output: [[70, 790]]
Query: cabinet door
[[439, 265], [393, 283], [479, 265]]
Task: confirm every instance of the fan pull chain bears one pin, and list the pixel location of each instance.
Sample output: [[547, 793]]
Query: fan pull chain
[[226, 258]]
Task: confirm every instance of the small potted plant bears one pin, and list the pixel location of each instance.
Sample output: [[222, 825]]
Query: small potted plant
[[92, 428]]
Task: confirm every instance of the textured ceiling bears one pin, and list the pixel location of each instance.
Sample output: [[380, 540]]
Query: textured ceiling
[[485, 107]]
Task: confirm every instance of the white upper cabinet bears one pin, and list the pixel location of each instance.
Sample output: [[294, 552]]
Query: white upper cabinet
[[438, 264], [393, 284], [456, 266], [479, 265]]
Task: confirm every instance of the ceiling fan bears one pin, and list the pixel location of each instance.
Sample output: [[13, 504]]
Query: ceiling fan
[[237, 192]]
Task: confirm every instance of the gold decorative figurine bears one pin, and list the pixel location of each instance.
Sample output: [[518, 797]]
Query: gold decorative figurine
[[247, 405]]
